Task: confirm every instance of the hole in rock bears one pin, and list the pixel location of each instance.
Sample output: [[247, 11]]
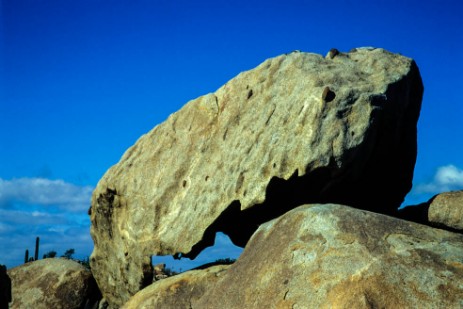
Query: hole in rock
[[281, 196], [222, 250]]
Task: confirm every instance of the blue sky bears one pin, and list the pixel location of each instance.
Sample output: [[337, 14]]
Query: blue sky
[[80, 81]]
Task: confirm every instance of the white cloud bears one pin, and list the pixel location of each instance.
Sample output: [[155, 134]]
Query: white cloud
[[54, 210], [42, 191], [20, 237], [447, 178], [15, 217], [222, 249]]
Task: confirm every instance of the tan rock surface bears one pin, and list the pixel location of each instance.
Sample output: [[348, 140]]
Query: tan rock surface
[[52, 283], [447, 209], [299, 128], [333, 256], [177, 292]]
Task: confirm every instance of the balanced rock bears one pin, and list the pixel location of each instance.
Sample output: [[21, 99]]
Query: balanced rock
[[52, 283], [334, 256], [179, 291], [446, 209], [299, 128]]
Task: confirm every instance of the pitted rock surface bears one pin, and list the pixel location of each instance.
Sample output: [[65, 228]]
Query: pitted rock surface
[[297, 129]]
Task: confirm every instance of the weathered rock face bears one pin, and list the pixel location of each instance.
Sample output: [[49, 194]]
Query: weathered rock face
[[333, 256], [52, 283], [179, 291], [299, 128], [446, 209]]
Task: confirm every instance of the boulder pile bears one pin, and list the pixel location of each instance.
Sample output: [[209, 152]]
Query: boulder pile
[[300, 128], [327, 256], [303, 161]]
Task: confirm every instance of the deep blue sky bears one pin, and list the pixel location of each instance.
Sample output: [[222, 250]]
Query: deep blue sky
[[80, 81]]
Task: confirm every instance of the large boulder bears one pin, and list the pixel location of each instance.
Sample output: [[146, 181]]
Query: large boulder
[[179, 291], [446, 209], [299, 128], [52, 283], [333, 256]]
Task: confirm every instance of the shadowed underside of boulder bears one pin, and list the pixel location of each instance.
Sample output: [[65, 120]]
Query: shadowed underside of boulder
[[297, 129]]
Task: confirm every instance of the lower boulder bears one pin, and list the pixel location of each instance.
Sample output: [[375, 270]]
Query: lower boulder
[[329, 256], [53, 283], [179, 291], [446, 209], [333, 256]]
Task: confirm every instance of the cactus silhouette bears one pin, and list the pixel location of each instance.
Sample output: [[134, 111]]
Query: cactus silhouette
[[36, 256]]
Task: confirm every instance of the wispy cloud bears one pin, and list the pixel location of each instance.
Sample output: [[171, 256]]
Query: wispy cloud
[[42, 191], [31, 217], [54, 210], [447, 178]]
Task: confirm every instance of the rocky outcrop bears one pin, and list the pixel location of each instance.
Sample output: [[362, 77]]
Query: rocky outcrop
[[52, 283], [328, 256], [299, 128], [446, 209], [179, 291]]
